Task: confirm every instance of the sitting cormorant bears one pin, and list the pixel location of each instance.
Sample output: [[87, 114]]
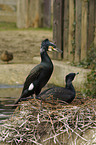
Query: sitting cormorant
[[41, 73], [6, 56], [66, 94]]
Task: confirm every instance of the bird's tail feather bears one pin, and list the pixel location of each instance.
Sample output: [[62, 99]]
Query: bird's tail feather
[[16, 103], [24, 95]]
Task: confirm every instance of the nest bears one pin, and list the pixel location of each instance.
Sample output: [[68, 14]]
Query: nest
[[33, 124]]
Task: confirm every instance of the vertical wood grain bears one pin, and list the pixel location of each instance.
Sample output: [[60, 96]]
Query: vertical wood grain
[[66, 29], [71, 30], [84, 27], [78, 31]]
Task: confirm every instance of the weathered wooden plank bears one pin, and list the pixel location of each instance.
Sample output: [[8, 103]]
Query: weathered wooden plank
[[28, 13], [84, 29], [57, 25], [71, 30], [66, 28], [22, 15], [47, 14], [34, 13], [95, 27], [78, 31], [91, 22]]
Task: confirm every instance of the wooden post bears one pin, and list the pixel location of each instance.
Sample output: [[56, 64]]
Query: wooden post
[[95, 27], [71, 30], [78, 31], [66, 28], [22, 15], [33, 16], [91, 23], [47, 14], [58, 26], [34, 13], [28, 13], [84, 29]]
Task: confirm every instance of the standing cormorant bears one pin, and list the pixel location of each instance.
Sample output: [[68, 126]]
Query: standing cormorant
[[66, 94], [41, 73]]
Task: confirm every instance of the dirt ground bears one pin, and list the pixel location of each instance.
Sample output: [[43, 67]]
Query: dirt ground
[[24, 45]]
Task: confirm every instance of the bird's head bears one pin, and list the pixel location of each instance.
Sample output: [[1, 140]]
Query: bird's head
[[46, 45], [70, 77]]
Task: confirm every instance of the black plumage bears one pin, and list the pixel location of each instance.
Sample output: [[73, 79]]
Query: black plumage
[[66, 94], [40, 74]]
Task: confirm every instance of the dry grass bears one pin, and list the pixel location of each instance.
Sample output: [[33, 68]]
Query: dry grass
[[31, 124]]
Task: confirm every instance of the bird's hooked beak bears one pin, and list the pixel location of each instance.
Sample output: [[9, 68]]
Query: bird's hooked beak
[[52, 47]]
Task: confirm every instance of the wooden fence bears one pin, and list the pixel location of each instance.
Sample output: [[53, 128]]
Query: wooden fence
[[74, 28], [26, 13], [34, 13]]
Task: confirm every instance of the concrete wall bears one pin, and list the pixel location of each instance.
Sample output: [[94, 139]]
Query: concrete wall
[[61, 69]]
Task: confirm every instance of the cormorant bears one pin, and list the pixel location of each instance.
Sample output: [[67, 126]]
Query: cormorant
[[61, 94], [41, 73], [6, 56]]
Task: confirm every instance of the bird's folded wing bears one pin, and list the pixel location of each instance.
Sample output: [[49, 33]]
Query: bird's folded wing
[[34, 74]]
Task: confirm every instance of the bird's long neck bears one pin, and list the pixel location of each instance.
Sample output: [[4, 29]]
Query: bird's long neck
[[45, 57], [70, 86]]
